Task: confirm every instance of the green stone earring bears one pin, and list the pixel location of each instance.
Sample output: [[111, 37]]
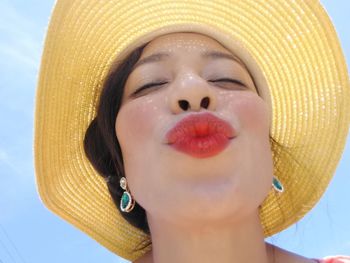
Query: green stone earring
[[127, 203], [277, 185]]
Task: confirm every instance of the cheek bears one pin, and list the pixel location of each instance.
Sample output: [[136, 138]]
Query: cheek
[[135, 123], [252, 113], [137, 129], [252, 117]]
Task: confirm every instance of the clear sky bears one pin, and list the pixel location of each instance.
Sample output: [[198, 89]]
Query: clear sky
[[30, 233]]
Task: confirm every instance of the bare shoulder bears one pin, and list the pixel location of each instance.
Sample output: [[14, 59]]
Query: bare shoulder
[[146, 258], [283, 256], [276, 254]]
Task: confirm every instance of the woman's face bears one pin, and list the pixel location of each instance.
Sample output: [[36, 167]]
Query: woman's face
[[232, 180]]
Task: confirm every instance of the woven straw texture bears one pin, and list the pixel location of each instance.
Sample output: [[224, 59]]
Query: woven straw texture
[[291, 44]]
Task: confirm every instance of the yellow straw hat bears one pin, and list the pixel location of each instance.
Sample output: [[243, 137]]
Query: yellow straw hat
[[290, 48]]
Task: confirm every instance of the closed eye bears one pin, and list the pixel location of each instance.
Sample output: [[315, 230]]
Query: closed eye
[[153, 84], [148, 85], [235, 81]]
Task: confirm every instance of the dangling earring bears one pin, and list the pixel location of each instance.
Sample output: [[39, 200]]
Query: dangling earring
[[277, 185], [127, 203]]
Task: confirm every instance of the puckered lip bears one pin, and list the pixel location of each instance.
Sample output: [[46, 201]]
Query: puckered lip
[[199, 125]]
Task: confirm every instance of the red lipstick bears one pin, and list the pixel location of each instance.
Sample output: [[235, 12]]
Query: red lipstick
[[201, 135]]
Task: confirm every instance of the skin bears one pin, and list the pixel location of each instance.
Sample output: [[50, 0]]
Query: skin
[[198, 209]]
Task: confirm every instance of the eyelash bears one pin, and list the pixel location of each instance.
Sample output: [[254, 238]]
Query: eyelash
[[148, 85], [235, 81]]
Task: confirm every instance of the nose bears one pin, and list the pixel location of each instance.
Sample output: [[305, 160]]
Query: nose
[[192, 93]]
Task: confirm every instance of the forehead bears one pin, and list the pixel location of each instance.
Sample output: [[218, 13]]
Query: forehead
[[188, 42]]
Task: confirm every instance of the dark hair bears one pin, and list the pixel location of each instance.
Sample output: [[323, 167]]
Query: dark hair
[[101, 144]]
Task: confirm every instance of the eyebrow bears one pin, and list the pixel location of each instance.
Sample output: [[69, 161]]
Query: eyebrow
[[218, 54], [152, 58], [207, 54]]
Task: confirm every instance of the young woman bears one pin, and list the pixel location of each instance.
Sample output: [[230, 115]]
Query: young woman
[[188, 131]]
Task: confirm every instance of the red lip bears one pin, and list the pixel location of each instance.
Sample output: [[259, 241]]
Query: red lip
[[201, 135]]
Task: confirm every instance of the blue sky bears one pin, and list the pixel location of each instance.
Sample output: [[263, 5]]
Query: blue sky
[[30, 233]]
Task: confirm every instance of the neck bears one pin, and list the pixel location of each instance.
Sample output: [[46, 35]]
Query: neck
[[220, 242]]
